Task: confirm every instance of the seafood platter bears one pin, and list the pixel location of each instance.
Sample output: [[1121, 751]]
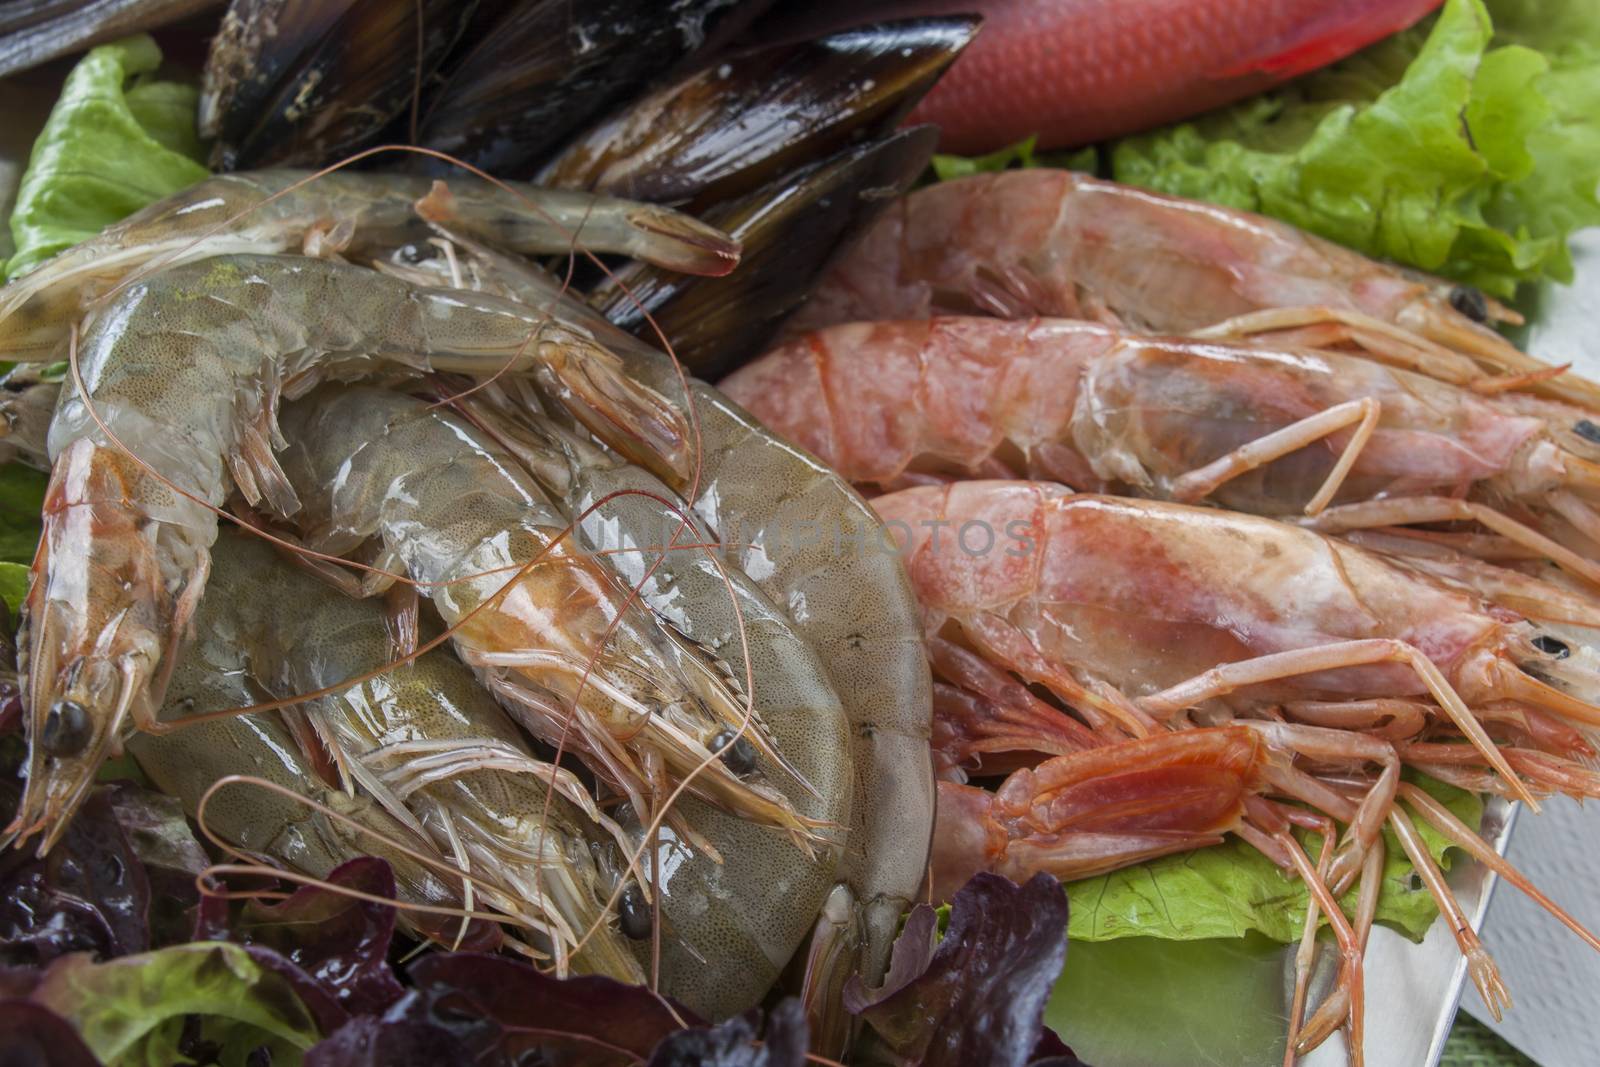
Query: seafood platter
[[1020, 532]]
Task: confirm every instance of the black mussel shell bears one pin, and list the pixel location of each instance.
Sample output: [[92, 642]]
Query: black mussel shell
[[307, 82], [33, 32], [789, 229], [743, 119], [547, 68]]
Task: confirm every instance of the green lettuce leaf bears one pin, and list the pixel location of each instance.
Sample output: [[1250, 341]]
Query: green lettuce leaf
[[1468, 146], [1021, 154], [115, 141], [1230, 890], [21, 498], [131, 1010], [13, 585]]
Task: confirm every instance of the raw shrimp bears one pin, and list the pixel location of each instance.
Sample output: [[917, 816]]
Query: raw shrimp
[[729, 927], [343, 212], [1257, 429], [1176, 607], [185, 369], [187, 762], [554, 632], [806, 539], [430, 745], [1112, 806], [1051, 242]]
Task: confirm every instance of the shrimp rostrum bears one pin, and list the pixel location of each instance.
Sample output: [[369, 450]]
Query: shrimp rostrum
[[556, 634], [171, 404]]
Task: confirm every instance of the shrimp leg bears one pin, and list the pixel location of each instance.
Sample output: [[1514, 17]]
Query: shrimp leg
[[1225, 679], [1382, 341], [1485, 975], [1404, 511], [1363, 414], [1444, 820], [1306, 954], [1391, 719]]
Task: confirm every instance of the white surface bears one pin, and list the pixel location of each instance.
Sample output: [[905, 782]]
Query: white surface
[[1554, 978]]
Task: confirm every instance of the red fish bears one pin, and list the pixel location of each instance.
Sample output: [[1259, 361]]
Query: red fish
[[1079, 71]]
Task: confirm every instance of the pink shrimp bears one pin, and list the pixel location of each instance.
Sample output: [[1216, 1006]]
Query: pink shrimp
[[1051, 242], [1111, 806], [1257, 429], [1134, 612]]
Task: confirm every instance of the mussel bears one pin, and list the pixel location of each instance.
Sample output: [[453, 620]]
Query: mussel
[[743, 119], [308, 81], [547, 67], [36, 31], [789, 229]]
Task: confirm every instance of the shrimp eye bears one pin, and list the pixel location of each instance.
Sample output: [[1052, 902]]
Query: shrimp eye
[[739, 757], [1587, 430], [633, 913], [1551, 647], [66, 729], [1469, 300]]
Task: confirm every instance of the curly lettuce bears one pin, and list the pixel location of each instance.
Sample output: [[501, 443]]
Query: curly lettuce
[[1468, 146], [1231, 890], [118, 138]]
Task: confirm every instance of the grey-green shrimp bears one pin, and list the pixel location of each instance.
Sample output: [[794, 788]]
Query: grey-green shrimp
[[730, 927], [172, 403], [553, 631], [342, 212], [432, 747], [188, 762], [809, 543]]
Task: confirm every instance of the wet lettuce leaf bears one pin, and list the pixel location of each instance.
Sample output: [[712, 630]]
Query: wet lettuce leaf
[[35, 1036], [21, 498], [1468, 146], [978, 993], [14, 583], [134, 1010], [88, 894], [734, 1043], [340, 941], [117, 139], [1230, 889]]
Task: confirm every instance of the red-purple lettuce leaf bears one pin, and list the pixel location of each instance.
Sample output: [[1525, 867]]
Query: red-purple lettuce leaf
[[398, 1038], [976, 995], [340, 941], [155, 827], [734, 1044], [88, 894], [31, 1035], [503, 1011]]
